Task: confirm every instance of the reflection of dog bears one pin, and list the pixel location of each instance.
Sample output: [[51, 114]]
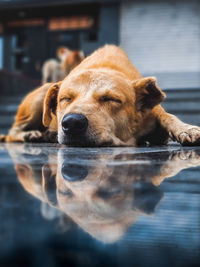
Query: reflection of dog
[[54, 70], [96, 190], [104, 101]]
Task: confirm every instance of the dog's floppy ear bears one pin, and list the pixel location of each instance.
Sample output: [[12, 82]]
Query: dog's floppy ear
[[148, 94], [49, 184], [50, 103], [146, 197]]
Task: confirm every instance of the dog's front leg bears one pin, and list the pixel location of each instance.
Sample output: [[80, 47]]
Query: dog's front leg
[[22, 136], [33, 136], [179, 131], [178, 161]]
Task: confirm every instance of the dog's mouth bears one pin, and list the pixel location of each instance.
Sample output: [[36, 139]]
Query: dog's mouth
[[76, 131], [78, 141], [84, 141]]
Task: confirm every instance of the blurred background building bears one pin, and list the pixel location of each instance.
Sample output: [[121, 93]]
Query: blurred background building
[[31, 32], [162, 38]]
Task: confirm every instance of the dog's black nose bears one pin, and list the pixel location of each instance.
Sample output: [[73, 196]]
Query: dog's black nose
[[74, 123], [74, 172]]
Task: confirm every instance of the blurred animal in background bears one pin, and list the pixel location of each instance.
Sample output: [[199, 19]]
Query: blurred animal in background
[[71, 61], [54, 70], [51, 70]]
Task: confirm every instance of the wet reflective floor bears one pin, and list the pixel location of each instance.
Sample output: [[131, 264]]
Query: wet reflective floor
[[99, 206]]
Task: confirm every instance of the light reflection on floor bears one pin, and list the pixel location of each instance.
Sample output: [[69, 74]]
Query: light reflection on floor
[[93, 207]]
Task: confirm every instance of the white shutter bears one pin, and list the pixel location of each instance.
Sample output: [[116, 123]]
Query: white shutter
[[163, 38]]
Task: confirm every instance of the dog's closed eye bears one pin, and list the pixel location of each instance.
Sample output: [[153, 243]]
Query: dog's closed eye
[[66, 99], [110, 99]]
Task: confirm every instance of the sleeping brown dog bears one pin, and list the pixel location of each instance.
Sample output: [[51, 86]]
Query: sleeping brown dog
[[104, 101]]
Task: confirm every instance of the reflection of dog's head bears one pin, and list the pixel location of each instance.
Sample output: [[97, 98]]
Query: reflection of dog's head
[[103, 198], [97, 106], [103, 191]]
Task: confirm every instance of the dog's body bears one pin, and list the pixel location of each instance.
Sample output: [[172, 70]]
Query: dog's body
[[103, 101], [55, 70]]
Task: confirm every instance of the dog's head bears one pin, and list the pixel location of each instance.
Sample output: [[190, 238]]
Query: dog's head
[[72, 60], [99, 107], [62, 52]]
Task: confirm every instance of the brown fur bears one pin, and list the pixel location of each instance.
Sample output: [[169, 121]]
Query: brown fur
[[72, 60], [62, 50], [121, 106]]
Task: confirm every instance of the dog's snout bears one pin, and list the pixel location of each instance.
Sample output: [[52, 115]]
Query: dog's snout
[[74, 123]]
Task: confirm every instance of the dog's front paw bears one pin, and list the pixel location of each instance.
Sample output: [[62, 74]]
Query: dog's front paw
[[190, 136], [182, 156], [50, 136], [33, 136]]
